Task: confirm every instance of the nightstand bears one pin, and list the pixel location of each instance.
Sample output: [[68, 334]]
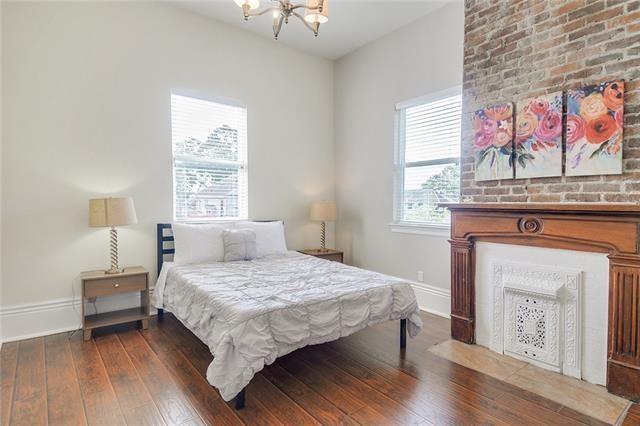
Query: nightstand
[[98, 284], [329, 254]]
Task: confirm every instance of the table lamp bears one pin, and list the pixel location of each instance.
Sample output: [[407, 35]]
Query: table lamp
[[323, 212], [112, 212]]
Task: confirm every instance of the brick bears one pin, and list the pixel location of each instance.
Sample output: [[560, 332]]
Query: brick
[[588, 10], [569, 7], [601, 187], [591, 29], [583, 198], [563, 69], [606, 58], [496, 191], [534, 189], [607, 14], [564, 187], [484, 199], [545, 198], [624, 19], [514, 198]]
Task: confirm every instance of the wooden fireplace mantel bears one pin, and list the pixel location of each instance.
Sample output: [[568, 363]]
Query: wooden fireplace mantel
[[604, 228]]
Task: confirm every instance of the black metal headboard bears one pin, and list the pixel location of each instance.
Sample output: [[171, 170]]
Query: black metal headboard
[[161, 239], [167, 237]]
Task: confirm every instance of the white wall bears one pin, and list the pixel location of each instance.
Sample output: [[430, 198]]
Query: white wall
[[1, 170], [421, 58], [86, 114]]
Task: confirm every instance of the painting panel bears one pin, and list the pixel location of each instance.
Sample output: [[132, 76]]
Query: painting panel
[[538, 142], [493, 142], [595, 116]]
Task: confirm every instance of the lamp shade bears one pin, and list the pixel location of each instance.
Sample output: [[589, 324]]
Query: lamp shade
[[323, 211], [111, 212], [315, 16]]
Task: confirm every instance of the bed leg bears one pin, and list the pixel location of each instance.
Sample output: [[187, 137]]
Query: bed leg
[[240, 400], [403, 333], [160, 313]]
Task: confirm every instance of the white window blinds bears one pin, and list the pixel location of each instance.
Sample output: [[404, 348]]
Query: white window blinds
[[209, 159], [427, 160]]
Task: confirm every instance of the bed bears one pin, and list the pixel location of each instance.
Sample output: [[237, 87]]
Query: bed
[[249, 313]]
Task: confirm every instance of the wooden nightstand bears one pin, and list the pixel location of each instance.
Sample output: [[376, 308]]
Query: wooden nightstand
[[329, 254], [98, 284]]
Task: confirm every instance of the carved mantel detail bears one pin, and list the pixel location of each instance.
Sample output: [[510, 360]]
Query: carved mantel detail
[[604, 228]]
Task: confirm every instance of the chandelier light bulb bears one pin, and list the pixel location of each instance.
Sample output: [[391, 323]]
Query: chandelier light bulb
[[253, 4]]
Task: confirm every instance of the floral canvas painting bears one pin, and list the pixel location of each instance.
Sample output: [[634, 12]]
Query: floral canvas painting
[[539, 137], [594, 129], [493, 142]]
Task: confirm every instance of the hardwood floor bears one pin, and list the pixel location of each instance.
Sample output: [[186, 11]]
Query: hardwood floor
[[155, 377]]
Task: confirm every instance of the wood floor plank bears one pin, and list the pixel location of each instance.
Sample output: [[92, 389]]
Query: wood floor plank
[[280, 405], [134, 399], [429, 402], [321, 385], [203, 397], [197, 352], [456, 399], [64, 400], [100, 403], [372, 397], [8, 364], [633, 416], [314, 403], [174, 406], [30, 393]]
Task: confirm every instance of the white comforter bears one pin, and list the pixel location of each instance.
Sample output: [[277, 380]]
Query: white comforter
[[251, 312]]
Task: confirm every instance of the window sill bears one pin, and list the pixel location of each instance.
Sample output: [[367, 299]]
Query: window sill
[[431, 229]]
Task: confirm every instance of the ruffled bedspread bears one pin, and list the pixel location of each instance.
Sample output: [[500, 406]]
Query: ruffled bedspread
[[251, 312]]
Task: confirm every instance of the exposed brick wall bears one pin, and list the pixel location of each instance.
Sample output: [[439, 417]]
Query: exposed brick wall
[[515, 49]]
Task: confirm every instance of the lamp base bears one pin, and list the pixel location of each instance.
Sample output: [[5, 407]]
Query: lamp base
[[114, 271]]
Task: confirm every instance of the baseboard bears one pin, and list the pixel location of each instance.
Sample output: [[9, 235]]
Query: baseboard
[[57, 316], [434, 300]]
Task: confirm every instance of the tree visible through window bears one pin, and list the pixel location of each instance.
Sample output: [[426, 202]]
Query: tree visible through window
[[427, 163], [209, 159]]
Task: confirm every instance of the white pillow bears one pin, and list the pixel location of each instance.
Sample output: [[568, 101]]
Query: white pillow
[[239, 244], [197, 243], [269, 237]]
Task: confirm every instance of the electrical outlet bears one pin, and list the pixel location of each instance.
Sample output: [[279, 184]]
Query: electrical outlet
[[420, 276]]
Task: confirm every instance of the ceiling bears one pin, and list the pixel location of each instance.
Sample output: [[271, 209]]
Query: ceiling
[[352, 23]]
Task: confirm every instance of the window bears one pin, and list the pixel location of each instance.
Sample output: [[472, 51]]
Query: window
[[209, 159], [427, 158]]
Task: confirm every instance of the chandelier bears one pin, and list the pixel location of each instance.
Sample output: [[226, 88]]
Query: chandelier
[[315, 13]]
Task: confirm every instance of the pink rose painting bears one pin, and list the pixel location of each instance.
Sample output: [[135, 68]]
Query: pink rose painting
[[493, 142], [539, 137], [595, 116]]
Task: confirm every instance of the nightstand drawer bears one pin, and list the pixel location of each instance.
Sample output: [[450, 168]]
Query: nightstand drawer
[[109, 286]]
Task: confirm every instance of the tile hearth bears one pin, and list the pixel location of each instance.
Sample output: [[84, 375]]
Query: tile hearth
[[578, 395]]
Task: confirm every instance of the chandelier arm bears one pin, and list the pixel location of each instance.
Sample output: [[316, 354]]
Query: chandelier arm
[[306, 24], [277, 26], [304, 6], [262, 12]]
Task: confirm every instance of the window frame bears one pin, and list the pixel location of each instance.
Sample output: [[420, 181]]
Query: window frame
[[241, 165], [415, 227]]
